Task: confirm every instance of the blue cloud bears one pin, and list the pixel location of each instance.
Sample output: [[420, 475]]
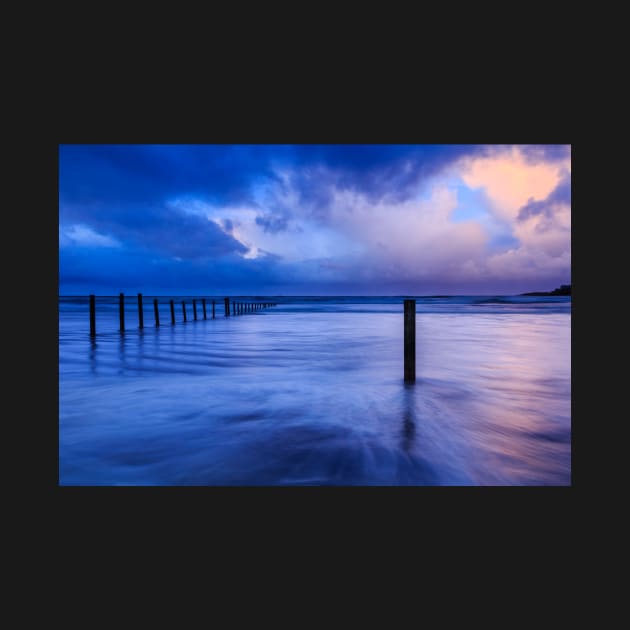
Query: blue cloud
[[560, 194], [535, 153], [155, 228]]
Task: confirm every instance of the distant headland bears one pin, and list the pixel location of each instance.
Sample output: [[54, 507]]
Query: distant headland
[[565, 289]]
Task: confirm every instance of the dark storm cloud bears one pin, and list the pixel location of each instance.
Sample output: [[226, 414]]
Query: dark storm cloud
[[381, 172], [156, 228], [122, 190], [226, 173], [273, 223], [143, 173]]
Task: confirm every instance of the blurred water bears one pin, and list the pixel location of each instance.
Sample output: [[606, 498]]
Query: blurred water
[[311, 392]]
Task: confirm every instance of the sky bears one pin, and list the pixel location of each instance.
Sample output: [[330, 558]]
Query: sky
[[314, 219]]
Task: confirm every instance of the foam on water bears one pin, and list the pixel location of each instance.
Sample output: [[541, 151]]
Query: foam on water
[[311, 392]]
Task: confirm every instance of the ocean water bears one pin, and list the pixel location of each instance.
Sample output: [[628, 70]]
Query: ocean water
[[311, 392]]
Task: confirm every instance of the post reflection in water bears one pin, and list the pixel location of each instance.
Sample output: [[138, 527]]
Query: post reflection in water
[[409, 424], [122, 341], [92, 360]]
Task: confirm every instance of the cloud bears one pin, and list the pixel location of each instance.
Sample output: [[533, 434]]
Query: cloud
[[272, 223], [316, 217], [84, 235], [545, 226], [158, 227], [510, 180], [535, 153], [559, 196]]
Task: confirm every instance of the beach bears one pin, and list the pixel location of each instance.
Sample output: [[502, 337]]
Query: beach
[[311, 392]]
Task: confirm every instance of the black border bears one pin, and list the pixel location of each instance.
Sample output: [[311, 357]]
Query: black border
[[460, 510]]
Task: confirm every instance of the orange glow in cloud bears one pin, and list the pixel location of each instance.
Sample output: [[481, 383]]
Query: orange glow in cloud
[[510, 181]]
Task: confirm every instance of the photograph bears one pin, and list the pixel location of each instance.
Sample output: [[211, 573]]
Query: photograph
[[314, 315]]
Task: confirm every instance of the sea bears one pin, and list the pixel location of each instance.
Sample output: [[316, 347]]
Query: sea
[[310, 392]]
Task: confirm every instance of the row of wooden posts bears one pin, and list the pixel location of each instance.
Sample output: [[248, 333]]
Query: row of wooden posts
[[241, 308], [238, 308]]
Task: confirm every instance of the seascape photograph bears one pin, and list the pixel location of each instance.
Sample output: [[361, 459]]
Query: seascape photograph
[[314, 315]]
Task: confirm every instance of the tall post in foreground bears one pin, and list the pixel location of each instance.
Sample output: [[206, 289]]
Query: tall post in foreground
[[92, 316], [195, 309], [172, 312], [157, 314], [410, 341], [212, 309], [226, 302], [140, 313], [203, 303], [121, 311], [184, 310]]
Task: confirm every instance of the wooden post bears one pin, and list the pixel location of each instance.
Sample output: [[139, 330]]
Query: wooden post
[[184, 310], [195, 309], [157, 314], [92, 315], [226, 304], [172, 312], [121, 311], [410, 341], [233, 308], [212, 309], [203, 303], [140, 313]]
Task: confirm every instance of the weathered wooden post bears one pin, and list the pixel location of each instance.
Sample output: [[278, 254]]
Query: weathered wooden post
[[226, 304], [121, 311], [233, 308], [410, 341], [172, 312], [184, 310], [92, 315], [203, 303], [140, 313], [212, 309], [195, 309], [157, 314]]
